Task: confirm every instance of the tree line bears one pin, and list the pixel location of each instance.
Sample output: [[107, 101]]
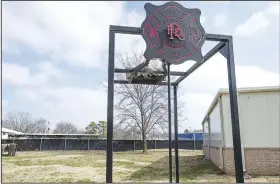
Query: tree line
[[24, 122]]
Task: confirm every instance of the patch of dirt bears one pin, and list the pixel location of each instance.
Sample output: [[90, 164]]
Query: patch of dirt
[[142, 163], [80, 173], [125, 160], [41, 173], [119, 169], [272, 179], [68, 156], [8, 167], [121, 160], [100, 161], [55, 157]]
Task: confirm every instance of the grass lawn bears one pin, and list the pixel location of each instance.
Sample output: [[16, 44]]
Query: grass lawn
[[89, 166]]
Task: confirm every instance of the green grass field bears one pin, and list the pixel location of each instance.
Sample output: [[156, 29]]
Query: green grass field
[[89, 166]]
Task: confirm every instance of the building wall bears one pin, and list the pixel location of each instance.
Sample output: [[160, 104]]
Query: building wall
[[205, 134], [258, 161], [215, 127], [216, 156], [227, 121], [259, 129], [258, 117], [261, 120], [205, 150], [262, 161]]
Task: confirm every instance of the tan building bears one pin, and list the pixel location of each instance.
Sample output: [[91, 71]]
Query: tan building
[[259, 128]]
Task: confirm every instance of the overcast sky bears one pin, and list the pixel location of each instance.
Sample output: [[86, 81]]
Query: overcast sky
[[55, 55]]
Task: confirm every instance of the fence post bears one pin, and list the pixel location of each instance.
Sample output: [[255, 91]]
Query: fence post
[[41, 145], [193, 141], [155, 145], [88, 144], [133, 144], [65, 144]]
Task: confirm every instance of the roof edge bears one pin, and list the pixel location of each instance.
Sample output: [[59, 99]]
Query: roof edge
[[239, 90], [252, 89]]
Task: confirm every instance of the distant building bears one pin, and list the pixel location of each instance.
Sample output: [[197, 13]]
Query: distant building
[[259, 128], [198, 136], [6, 132]]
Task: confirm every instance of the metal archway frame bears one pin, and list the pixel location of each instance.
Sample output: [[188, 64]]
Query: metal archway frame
[[225, 47]]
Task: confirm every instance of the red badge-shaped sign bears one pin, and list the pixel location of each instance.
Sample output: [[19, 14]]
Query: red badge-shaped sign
[[173, 33]]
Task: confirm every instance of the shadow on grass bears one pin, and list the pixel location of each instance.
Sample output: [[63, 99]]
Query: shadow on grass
[[7, 155], [190, 168]]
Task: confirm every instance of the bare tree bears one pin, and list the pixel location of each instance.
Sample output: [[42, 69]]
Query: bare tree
[[65, 128], [142, 106], [42, 124], [23, 122], [126, 133]]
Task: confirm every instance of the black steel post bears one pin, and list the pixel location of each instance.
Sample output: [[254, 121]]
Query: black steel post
[[169, 124], [234, 115], [110, 108], [176, 134]]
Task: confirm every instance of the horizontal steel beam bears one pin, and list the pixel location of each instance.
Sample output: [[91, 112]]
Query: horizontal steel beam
[[127, 82], [217, 37], [126, 30], [119, 70], [211, 53]]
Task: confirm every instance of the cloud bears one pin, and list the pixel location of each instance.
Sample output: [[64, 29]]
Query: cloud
[[73, 104], [259, 21], [76, 33], [128, 43], [200, 88], [4, 103], [195, 107], [20, 76], [274, 8], [220, 19], [202, 20], [212, 76], [49, 69], [27, 94]]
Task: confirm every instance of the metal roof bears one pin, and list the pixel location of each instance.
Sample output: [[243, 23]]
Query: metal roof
[[6, 130], [41, 135], [239, 90]]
